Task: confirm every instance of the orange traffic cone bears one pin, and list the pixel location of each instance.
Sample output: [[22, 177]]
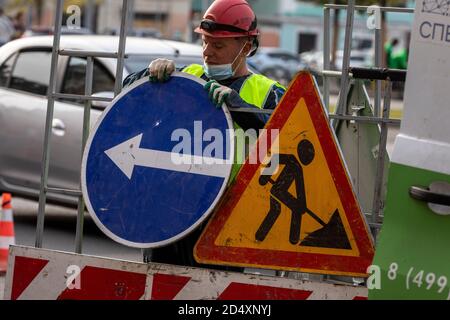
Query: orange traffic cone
[[7, 236]]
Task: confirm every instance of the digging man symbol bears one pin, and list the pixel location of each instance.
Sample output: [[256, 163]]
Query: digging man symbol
[[292, 172]]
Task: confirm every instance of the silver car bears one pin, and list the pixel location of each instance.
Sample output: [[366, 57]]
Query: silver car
[[24, 79], [276, 63]]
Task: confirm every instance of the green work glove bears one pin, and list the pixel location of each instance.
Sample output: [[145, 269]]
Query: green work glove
[[218, 93]]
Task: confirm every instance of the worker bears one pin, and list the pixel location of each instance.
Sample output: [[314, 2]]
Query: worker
[[400, 59], [395, 58], [230, 35]]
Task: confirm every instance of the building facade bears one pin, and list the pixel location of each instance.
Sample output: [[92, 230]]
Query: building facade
[[298, 26], [293, 25], [169, 18]]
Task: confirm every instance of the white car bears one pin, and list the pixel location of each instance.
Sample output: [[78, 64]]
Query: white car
[[24, 79], [358, 58]]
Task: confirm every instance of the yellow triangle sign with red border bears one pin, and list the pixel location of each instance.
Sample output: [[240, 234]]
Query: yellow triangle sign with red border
[[302, 216]]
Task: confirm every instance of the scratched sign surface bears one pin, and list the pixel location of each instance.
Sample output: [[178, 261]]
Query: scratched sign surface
[[302, 217], [149, 173]]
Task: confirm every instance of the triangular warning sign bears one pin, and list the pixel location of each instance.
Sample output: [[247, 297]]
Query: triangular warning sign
[[303, 216]]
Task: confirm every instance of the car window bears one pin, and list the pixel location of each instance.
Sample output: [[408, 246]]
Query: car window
[[361, 44], [283, 56], [136, 63], [32, 72], [74, 79], [6, 70], [274, 55]]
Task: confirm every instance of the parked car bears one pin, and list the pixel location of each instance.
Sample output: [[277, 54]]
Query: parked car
[[358, 58], [278, 64], [24, 79], [137, 32], [42, 31]]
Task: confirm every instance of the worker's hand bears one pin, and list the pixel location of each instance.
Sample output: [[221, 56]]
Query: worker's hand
[[160, 70], [217, 92]]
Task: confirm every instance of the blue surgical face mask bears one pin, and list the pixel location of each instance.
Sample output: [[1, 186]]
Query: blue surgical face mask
[[221, 71], [218, 71]]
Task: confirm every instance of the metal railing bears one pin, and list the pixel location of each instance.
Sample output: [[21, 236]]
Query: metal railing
[[346, 76], [381, 116], [52, 95], [87, 97], [327, 72]]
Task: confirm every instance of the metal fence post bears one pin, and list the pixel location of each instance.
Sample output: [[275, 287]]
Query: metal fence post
[[378, 61], [377, 202], [122, 43], [48, 124], [86, 126], [326, 57], [342, 102]]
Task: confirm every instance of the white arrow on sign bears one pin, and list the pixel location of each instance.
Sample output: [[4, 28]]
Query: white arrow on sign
[[128, 154]]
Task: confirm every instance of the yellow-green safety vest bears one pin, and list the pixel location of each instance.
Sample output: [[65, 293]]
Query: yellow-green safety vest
[[255, 90]]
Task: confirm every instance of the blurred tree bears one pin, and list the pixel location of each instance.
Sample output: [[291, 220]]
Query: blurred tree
[[336, 17]]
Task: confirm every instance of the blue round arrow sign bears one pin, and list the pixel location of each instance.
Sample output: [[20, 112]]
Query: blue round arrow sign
[[157, 162]]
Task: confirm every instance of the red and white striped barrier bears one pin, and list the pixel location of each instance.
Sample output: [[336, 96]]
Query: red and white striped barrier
[[51, 275], [7, 236]]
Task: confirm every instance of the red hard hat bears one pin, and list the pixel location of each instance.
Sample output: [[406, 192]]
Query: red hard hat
[[229, 18]]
